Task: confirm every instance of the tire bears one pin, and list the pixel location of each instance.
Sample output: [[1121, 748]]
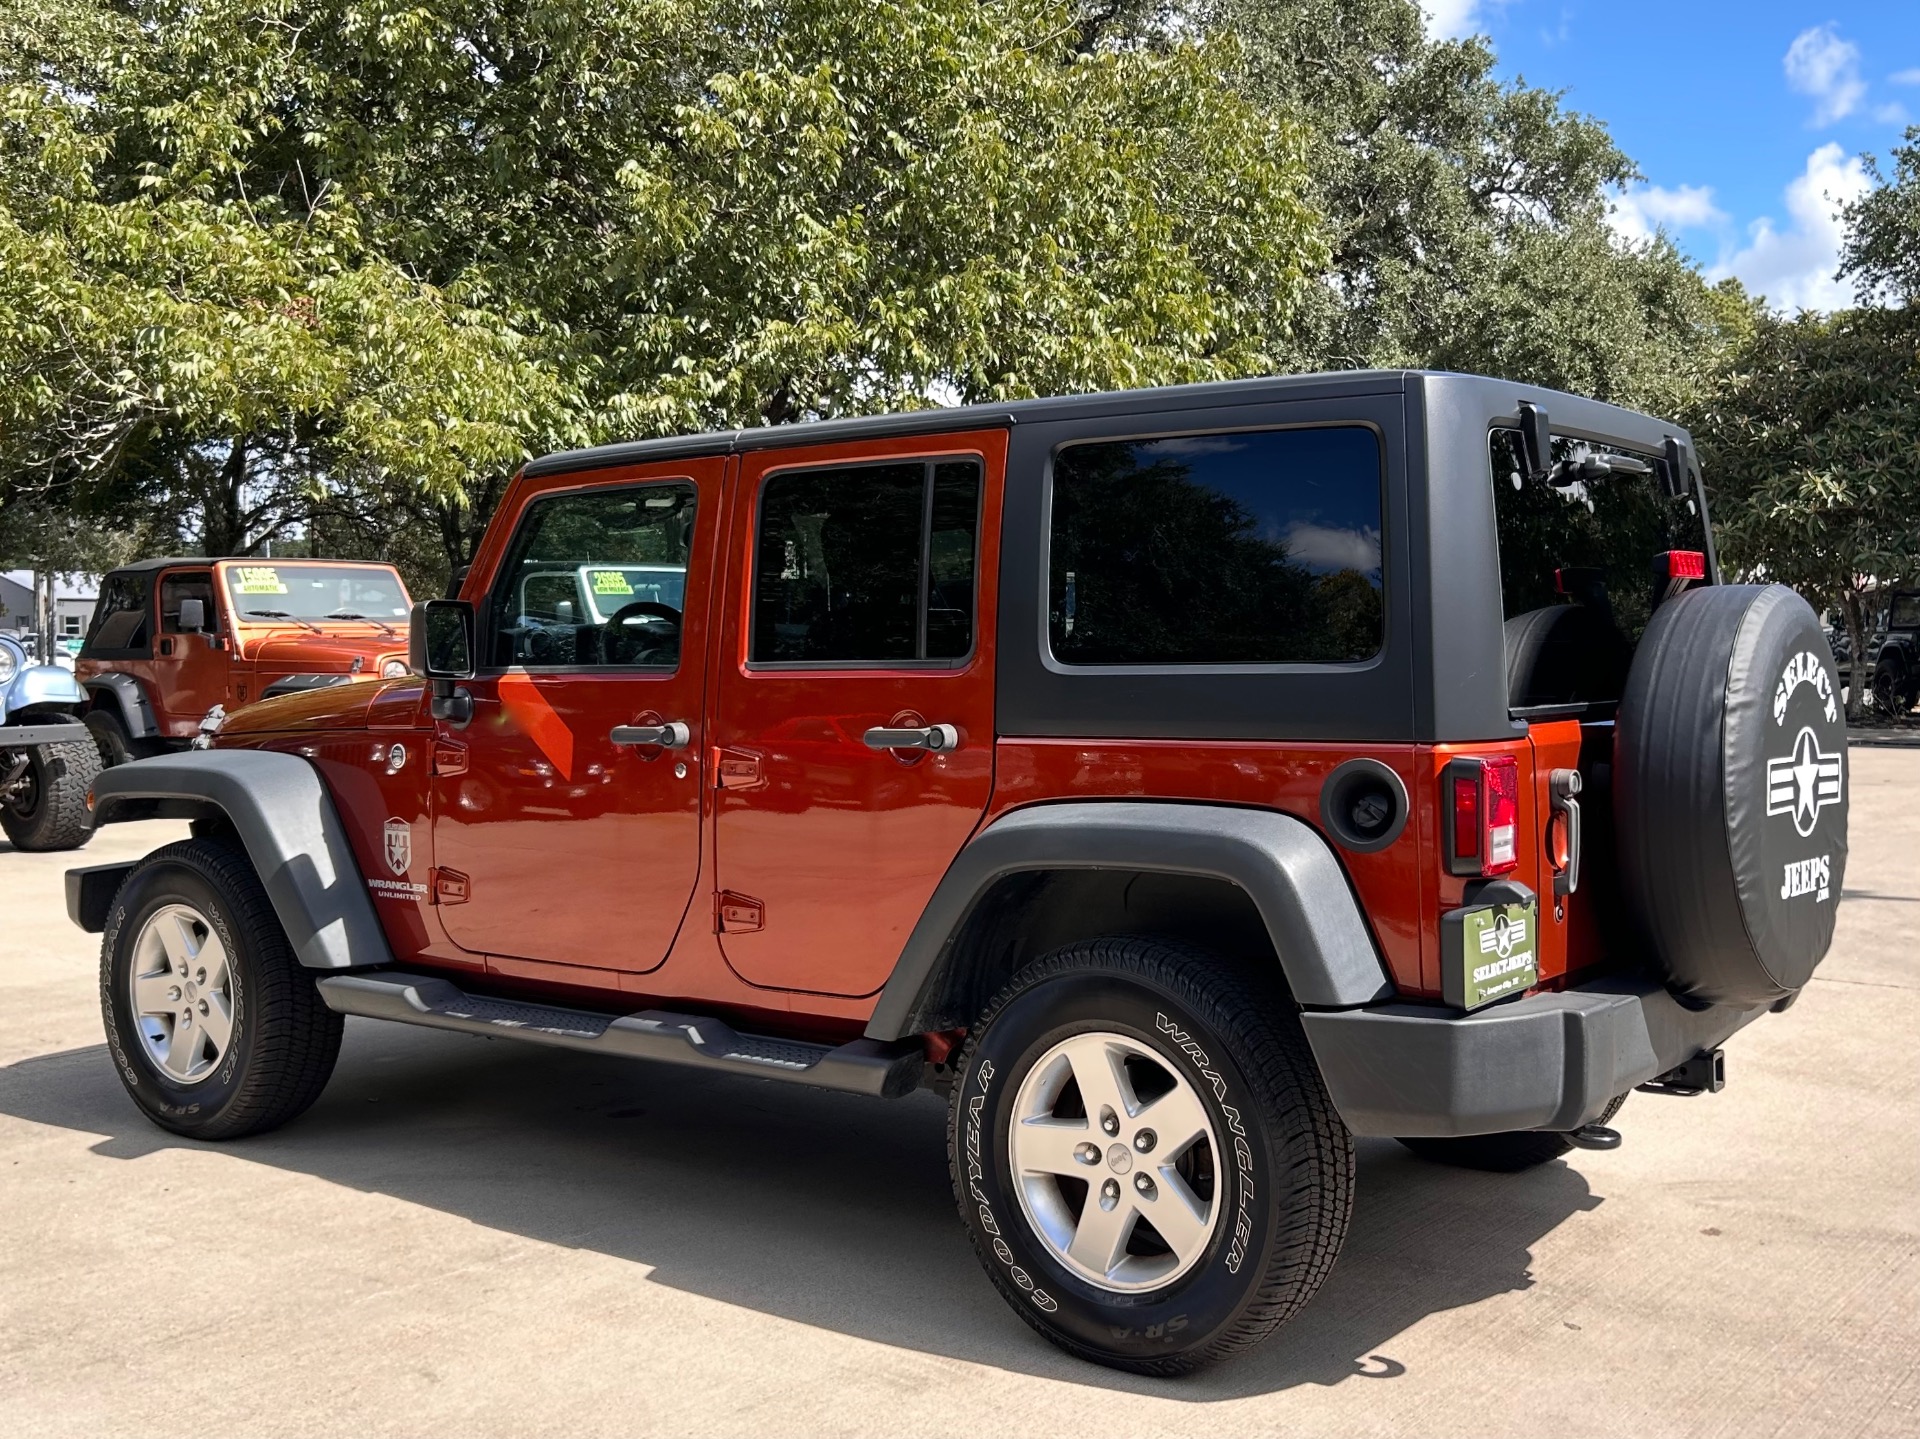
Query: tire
[[47, 810], [1730, 794], [1507, 1153], [110, 738], [282, 1040], [1891, 690], [1273, 1170]]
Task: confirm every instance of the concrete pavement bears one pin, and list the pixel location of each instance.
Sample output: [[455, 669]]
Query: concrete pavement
[[471, 1236]]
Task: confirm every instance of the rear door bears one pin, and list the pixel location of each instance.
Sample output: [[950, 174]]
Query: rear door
[[554, 838], [861, 599]]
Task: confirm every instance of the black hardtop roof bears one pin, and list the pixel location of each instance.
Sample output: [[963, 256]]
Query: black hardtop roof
[[164, 562], [1577, 411], [974, 417]]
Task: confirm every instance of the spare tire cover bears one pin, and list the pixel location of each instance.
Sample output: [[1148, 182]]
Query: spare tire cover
[[1730, 793]]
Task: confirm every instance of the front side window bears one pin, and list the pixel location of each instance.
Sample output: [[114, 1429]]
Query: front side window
[[185, 585], [1256, 547], [867, 564], [120, 616], [596, 579]]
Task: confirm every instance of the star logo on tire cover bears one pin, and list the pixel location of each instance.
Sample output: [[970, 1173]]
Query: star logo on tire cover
[[1803, 783]]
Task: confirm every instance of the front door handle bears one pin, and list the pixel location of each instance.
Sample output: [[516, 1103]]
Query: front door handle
[[938, 738], [674, 734]]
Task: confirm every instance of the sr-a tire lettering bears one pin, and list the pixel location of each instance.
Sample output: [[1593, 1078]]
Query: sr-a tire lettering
[[1242, 1151], [976, 1106]]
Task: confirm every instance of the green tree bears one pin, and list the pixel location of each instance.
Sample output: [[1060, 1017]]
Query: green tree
[[1467, 217], [1882, 250], [1812, 446], [272, 264]]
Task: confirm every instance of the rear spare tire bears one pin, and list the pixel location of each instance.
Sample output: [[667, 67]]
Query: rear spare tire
[[1730, 793]]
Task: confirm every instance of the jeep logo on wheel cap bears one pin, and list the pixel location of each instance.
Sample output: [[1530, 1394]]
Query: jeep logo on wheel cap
[[1803, 783], [399, 845]]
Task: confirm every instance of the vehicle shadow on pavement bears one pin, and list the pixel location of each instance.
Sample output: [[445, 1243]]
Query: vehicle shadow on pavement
[[825, 1209]]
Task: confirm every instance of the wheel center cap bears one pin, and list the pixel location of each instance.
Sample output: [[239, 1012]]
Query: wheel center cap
[[1119, 1158], [191, 993]]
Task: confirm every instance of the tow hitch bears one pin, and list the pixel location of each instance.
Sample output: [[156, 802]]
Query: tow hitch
[[1594, 1136], [1705, 1073]]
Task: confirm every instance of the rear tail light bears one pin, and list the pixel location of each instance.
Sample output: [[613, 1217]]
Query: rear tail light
[[1483, 815]]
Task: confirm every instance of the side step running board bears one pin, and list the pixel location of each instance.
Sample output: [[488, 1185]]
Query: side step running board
[[863, 1066]]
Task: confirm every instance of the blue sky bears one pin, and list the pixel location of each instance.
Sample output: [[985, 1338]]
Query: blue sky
[[1748, 119]]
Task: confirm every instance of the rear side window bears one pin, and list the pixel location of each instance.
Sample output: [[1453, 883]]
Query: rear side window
[[1255, 547], [867, 564], [120, 616]]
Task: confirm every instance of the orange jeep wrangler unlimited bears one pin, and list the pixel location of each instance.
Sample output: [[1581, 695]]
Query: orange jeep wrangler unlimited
[[1186, 781], [173, 638]]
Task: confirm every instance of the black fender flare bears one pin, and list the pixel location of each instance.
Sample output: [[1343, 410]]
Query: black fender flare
[[123, 695], [1326, 950], [287, 824]]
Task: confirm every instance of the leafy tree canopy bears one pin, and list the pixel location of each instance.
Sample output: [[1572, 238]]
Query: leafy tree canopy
[[1467, 217], [264, 258]]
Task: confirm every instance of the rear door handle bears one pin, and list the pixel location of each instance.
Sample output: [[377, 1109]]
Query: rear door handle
[[672, 735], [938, 738]]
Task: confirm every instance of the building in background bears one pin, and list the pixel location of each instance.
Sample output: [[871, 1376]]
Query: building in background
[[16, 605], [67, 611]]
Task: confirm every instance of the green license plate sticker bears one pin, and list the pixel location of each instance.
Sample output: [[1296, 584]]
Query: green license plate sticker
[[1496, 954], [611, 582], [259, 580]]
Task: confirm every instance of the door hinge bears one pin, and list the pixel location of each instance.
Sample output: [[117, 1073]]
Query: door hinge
[[449, 886], [449, 758], [737, 769], [738, 913]]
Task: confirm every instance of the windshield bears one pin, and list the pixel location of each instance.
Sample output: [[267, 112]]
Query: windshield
[[316, 592], [1588, 546]]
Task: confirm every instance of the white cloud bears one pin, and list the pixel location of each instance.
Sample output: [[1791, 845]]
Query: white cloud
[[1324, 548], [1457, 19], [1906, 77], [1892, 113], [1794, 267], [1819, 63], [1637, 213]]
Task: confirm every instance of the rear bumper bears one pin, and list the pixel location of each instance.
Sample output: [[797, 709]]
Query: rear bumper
[[1549, 1061]]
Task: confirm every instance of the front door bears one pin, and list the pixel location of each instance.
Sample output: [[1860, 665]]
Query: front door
[[863, 601], [189, 667], [566, 817]]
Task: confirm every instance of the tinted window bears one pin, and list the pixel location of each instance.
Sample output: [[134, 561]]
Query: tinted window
[[1250, 548], [866, 564], [120, 616], [1576, 572], [186, 585], [596, 579]]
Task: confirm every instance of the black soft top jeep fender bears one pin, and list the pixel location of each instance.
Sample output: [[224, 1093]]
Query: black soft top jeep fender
[[285, 821], [1287, 870]]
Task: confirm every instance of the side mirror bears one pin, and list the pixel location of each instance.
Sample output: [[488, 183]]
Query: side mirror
[[193, 616], [1536, 439], [440, 639]]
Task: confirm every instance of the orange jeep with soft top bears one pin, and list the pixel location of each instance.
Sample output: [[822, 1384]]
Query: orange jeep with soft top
[[1183, 782], [171, 639]]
